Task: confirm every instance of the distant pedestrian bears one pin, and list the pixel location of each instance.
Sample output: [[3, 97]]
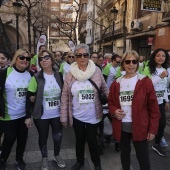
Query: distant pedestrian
[[65, 66], [58, 60], [80, 104], [157, 71], [44, 91], [134, 110], [13, 89]]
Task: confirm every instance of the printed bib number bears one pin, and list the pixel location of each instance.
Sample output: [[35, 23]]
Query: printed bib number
[[52, 103], [86, 96], [21, 93], [160, 94], [126, 98]]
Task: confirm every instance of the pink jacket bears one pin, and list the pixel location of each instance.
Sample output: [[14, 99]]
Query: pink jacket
[[66, 98], [145, 109]]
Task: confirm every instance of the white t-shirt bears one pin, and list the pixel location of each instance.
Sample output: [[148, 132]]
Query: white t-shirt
[[160, 86], [127, 87], [84, 102], [111, 76], [51, 97], [15, 94]]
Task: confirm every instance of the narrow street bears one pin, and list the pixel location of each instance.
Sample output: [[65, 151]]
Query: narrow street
[[110, 159]]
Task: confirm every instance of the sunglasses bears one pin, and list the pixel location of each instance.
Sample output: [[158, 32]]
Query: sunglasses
[[129, 61], [46, 57], [118, 62], [85, 55], [21, 57], [70, 56]]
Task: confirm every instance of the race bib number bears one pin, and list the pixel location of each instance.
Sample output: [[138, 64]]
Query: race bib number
[[21, 93], [160, 94], [52, 103], [126, 98], [86, 96]]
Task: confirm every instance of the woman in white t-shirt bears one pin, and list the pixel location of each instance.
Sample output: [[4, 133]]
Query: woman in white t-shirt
[[157, 71], [44, 90], [80, 104], [134, 108], [13, 89]]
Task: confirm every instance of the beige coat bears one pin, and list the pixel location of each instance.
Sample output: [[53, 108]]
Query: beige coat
[[66, 98]]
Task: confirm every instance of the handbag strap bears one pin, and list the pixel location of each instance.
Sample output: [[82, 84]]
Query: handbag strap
[[94, 84]]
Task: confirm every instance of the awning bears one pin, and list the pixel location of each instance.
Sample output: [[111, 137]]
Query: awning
[[141, 34]]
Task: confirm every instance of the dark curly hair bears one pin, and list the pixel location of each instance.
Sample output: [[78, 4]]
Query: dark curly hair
[[152, 64]]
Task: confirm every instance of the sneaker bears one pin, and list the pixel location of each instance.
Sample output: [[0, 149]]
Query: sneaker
[[20, 164], [60, 161], [158, 149], [44, 164], [163, 142]]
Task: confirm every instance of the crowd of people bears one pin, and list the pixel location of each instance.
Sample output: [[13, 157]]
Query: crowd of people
[[56, 90]]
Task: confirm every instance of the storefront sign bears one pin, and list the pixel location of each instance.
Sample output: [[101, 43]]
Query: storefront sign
[[150, 40], [151, 5]]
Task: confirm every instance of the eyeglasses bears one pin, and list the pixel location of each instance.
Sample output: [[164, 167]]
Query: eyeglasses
[[129, 61], [85, 55], [70, 56], [22, 57], [46, 57]]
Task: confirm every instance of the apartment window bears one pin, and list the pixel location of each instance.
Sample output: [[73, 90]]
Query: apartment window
[[66, 6], [54, 33], [54, 8], [54, 0]]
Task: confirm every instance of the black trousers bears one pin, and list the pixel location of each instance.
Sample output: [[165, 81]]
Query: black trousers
[[141, 148], [87, 131], [42, 126], [14, 129], [101, 124], [162, 124]]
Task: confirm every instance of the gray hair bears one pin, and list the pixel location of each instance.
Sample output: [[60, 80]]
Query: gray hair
[[84, 46], [107, 54]]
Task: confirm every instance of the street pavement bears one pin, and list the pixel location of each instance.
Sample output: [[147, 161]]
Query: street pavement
[[110, 159]]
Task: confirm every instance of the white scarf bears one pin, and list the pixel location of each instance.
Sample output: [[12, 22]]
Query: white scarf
[[83, 75]]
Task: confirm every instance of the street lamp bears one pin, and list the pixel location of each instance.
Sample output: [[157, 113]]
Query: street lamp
[[114, 13], [17, 9]]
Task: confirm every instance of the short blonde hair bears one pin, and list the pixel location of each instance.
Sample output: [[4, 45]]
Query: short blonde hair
[[40, 54], [68, 54], [17, 53], [129, 53]]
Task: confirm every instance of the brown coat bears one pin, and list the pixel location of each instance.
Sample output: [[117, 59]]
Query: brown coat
[[66, 98]]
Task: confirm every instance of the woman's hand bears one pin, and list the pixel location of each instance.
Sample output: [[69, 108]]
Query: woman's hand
[[32, 98], [150, 137], [167, 106], [164, 74], [28, 122], [64, 124], [119, 114]]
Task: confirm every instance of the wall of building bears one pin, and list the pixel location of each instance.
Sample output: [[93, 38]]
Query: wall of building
[[162, 38]]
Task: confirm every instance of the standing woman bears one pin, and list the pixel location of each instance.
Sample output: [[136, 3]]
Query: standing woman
[[65, 67], [13, 89], [80, 104], [134, 110], [157, 71], [45, 90]]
